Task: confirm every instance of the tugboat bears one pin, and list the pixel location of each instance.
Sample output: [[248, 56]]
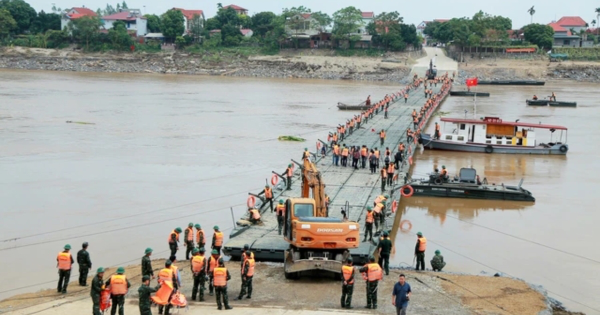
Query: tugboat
[[467, 185]]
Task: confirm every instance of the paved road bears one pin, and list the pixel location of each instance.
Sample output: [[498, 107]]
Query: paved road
[[440, 61]]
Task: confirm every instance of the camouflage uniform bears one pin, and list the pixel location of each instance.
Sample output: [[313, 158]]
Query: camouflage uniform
[[188, 244], [384, 257], [95, 292], [144, 292], [199, 281], [437, 262], [246, 281], [85, 264], [222, 291], [118, 301], [147, 267]]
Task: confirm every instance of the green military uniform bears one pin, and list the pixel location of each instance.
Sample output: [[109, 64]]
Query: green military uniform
[[145, 303], [118, 300], [189, 244], [96, 291], [85, 264], [369, 226], [385, 245], [437, 262], [199, 277], [347, 285], [200, 239], [221, 291], [246, 279], [371, 285], [64, 274], [147, 264]]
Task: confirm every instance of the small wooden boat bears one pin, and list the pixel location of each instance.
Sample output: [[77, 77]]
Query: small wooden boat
[[361, 106], [537, 102], [563, 104], [468, 93], [512, 82]]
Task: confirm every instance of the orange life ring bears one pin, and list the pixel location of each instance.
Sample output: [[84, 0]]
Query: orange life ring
[[274, 180], [251, 202], [410, 160], [394, 206], [402, 228], [410, 192]]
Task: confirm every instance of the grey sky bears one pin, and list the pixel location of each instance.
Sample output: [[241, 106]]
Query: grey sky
[[413, 11]]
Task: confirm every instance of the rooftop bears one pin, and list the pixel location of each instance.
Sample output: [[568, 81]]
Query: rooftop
[[235, 7], [571, 21], [557, 28], [121, 16], [368, 15], [441, 20], [84, 11], [189, 14], [496, 121]]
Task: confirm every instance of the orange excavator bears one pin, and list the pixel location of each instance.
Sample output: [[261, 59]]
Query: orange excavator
[[317, 242]]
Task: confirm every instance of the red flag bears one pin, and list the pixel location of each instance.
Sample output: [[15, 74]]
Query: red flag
[[472, 82]]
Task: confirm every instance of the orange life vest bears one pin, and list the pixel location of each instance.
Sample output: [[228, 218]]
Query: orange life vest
[[250, 262], [213, 262], [374, 272], [64, 261], [382, 134], [280, 209], [255, 214], [422, 244], [363, 152], [383, 173], [198, 263], [379, 199], [220, 277], [245, 257], [348, 271], [345, 152], [118, 285], [335, 137], [218, 238], [171, 236], [290, 172], [444, 172], [190, 234], [268, 193], [379, 207], [165, 274], [175, 272], [369, 218], [376, 154], [198, 234], [336, 150], [390, 168]]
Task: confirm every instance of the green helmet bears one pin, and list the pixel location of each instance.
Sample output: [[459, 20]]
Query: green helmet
[[369, 208], [120, 270], [178, 230], [198, 226], [202, 250], [266, 186], [385, 233], [349, 260], [148, 250], [67, 247], [100, 270], [371, 258], [221, 261], [443, 166], [305, 149], [437, 252], [281, 201], [216, 227], [246, 246], [383, 202], [214, 252], [386, 196], [419, 234], [289, 165], [145, 278], [168, 263], [190, 224], [195, 251]]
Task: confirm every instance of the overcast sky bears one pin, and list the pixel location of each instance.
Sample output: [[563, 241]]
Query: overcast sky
[[413, 11]]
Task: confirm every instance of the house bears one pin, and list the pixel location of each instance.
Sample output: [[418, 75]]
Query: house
[[421, 27], [247, 32], [563, 36], [238, 9], [572, 22], [133, 19], [367, 17], [188, 17], [75, 13], [301, 26]]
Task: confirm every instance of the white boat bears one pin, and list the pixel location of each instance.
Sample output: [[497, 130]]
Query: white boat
[[492, 135]]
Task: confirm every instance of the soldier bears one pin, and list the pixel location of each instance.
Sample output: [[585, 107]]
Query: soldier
[[217, 240], [188, 236], [167, 275], [247, 274], [85, 264], [144, 292], [198, 267], [289, 171], [385, 248], [246, 253], [64, 262], [96, 291], [174, 241], [200, 239], [119, 285], [420, 251], [369, 224], [437, 262], [254, 216], [221, 276], [383, 178], [147, 264], [175, 269], [347, 284], [213, 262], [268, 192], [280, 210], [372, 273]]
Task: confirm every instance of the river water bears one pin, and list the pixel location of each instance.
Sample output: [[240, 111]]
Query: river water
[[167, 150]]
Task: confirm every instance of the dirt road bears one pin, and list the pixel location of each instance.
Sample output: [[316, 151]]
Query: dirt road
[[440, 61]]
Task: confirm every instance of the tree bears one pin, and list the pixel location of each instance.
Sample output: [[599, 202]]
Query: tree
[[540, 35], [21, 12], [172, 24], [323, 20], [346, 23], [197, 27], [212, 24], [409, 34], [597, 16], [45, 21], [153, 23], [85, 29], [109, 10], [124, 5], [228, 17], [245, 21], [231, 35], [262, 23], [289, 12], [119, 37], [531, 12], [99, 12], [7, 23], [594, 23]]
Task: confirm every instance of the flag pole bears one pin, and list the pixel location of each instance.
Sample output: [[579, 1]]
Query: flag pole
[[475, 102]]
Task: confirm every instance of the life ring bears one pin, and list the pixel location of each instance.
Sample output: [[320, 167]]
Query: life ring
[[437, 181], [394, 206], [251, 202], [410, 192], [405, 229], [410, 160], [563, 148], [274, 180], [489, 149]]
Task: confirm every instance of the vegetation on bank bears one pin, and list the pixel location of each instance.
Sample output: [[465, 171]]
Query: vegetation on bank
[[589, 54]]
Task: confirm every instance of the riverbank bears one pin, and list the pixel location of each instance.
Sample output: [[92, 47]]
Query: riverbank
[[521, 69], [433, 293], [304, 64]]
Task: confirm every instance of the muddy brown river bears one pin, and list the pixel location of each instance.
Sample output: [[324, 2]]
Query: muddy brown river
[[161, 151]]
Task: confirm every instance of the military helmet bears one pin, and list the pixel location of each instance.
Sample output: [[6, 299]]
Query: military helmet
[[386, 196], [148, 250], [178, 230], [246, 246], [67, 247], [437, 252], [202, 250], [190, 224], [84, 245], [349, 260], [371, 258], [369, 208], [419, 234], [214, 252], [168, 263], [216, 227], [120, 270], [281, 201], [198, 226], [289, 165], [145, 278], [221, 261], [385, 233], [195, 251], [100, 270]]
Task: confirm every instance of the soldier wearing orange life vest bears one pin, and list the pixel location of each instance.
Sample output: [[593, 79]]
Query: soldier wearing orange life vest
[[167, 275], [217, 240], [372, 273], [382, 136], [211, 264], [96, 291], [220, 277], [119, 285], [420, 251], [268, 192], [198, 267], [369, 219], [289, 172], [188, 235], [64, 261], [347, 284], [280, 212], [200, 237], [253, 215], [247, 274], [174, 240]]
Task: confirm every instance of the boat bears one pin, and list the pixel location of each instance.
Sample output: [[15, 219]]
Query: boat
[[492, 135], [537, 102], [563, 104], [512, 82], [467, 186], [361, 106], [469, 93]]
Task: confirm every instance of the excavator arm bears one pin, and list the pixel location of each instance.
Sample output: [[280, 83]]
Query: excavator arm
[[311, 180]]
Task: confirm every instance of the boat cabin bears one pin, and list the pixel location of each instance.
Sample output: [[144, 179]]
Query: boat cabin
[[494, 131]]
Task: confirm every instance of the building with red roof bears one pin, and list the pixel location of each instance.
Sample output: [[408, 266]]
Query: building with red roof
[[563, 37], [237, 8], [367, 17], [75, 13], [133, 19], [188, 17]]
